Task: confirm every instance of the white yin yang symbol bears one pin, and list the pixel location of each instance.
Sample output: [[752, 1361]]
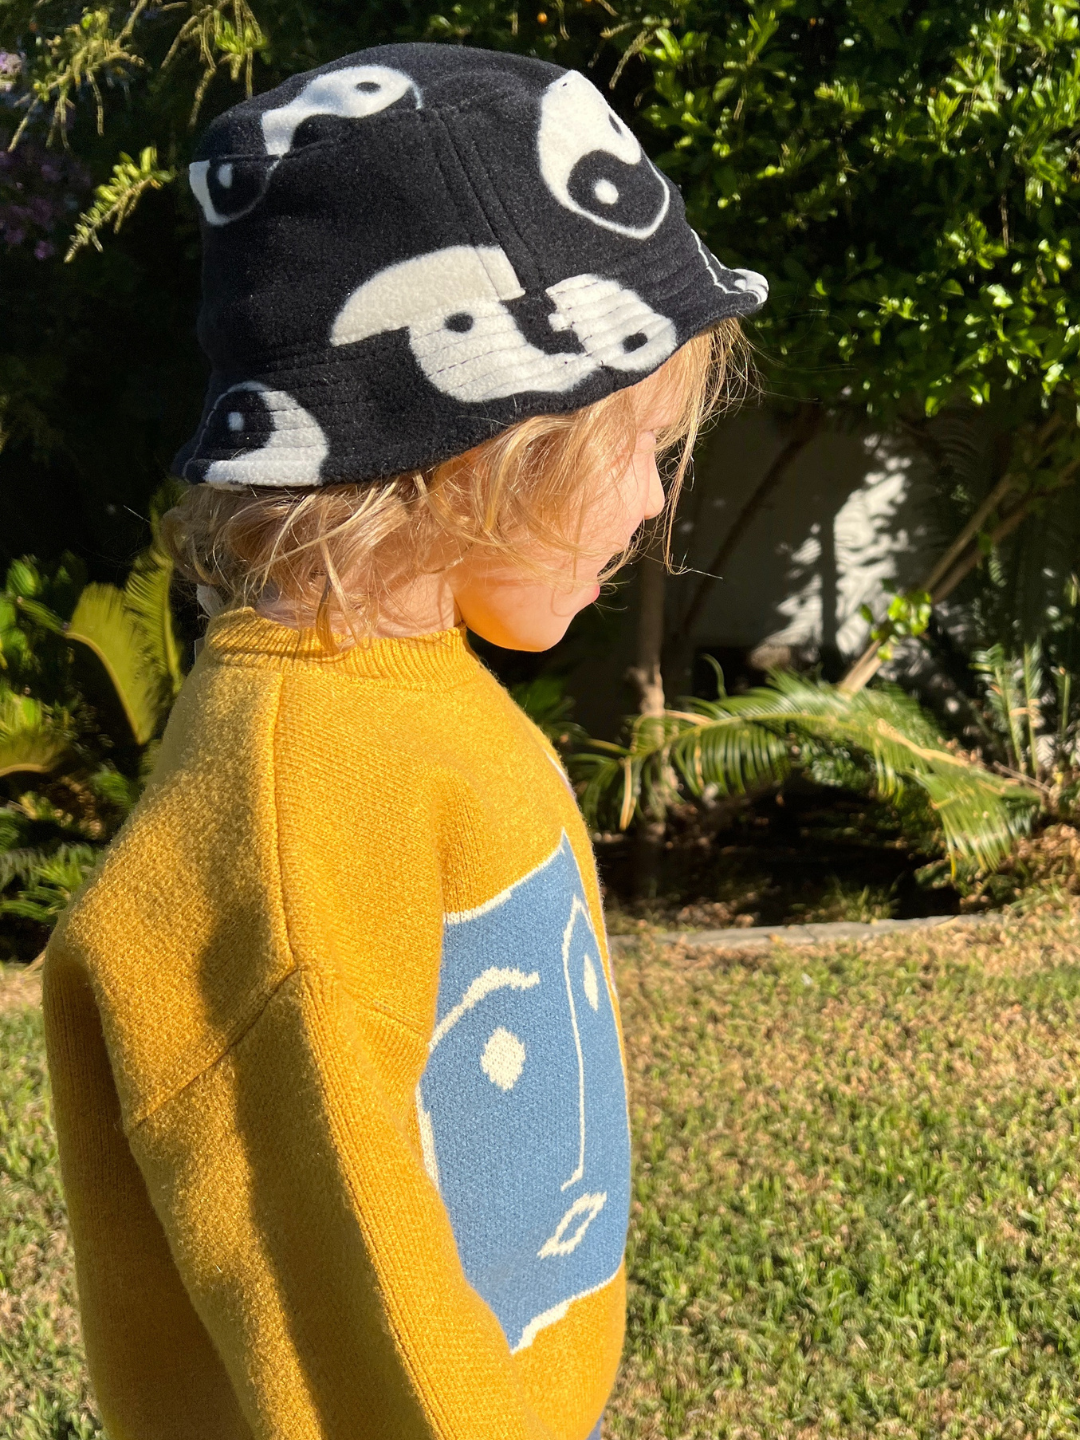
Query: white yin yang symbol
[[733, 282], [593, 164], [273, 440], [464, 338], [615, 325], [351, 94], [230, 186]]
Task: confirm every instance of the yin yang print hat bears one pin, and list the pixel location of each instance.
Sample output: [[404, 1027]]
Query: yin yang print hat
[[410, 249]]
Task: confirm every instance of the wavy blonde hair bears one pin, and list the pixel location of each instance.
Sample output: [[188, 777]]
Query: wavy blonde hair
[[342, 551]]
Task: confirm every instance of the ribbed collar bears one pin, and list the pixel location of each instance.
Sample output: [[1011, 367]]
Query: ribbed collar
[[243, 637]]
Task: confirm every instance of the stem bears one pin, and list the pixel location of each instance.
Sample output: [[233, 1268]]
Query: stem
[[645, 673], [807, 423], [960, 559], [1031, 705]]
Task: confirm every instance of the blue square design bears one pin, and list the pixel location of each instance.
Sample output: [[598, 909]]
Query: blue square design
[[522, 1105]]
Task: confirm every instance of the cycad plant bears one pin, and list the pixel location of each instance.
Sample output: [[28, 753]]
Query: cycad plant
[[878, 741], [88, 673], [550, 708], [1030, 713]]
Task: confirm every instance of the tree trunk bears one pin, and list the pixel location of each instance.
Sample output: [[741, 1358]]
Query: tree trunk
[[645, 674], [960, 559]]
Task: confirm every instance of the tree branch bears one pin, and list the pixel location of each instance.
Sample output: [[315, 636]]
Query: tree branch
[[808, 423]]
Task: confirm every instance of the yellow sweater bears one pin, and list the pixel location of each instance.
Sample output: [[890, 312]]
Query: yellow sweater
[[336, 1064]]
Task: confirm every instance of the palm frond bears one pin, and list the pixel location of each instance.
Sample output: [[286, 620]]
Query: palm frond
[[103, 622], [546, 703], [118, 790], [33, 737], [49, 883], [739, 742], [28, 862], [146, 596]]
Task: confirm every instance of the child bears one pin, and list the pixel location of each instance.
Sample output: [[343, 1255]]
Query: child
[[333, 1037]]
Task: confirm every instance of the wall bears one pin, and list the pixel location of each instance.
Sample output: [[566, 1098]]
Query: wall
[[847, 524]]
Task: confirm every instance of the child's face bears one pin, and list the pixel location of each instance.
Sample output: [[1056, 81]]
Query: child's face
[[520, 611]]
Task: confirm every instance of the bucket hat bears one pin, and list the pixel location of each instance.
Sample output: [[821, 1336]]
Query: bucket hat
[[412, 248]]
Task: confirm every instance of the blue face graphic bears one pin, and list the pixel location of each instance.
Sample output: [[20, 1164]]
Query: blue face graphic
[[522, 1105]]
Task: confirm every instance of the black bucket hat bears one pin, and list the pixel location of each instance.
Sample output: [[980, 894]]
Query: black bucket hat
[[410, 249]]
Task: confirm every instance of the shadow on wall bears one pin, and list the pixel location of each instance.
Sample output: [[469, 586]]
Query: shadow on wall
[[848, 523]]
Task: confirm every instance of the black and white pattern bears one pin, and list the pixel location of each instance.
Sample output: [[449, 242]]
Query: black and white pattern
[[273, 440], [412, 248], [593, 164]]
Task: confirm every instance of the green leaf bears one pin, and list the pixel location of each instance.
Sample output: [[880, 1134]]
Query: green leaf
[[103, 623], [740, 742], [118, 196], [33, 738]]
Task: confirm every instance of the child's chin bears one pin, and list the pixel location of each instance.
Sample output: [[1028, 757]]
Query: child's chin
[[533, 638]]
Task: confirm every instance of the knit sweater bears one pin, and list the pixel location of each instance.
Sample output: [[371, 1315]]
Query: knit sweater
[[336, 1063]]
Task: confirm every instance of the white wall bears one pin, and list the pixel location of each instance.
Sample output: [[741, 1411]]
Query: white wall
[[847, 524]]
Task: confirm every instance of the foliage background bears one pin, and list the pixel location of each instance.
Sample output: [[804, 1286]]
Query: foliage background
[[906, 176]]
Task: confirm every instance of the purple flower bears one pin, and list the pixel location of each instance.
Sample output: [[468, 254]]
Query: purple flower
[[39, 190], [40, 211]]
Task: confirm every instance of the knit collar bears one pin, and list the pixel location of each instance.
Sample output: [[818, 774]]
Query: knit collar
[[243, 637]]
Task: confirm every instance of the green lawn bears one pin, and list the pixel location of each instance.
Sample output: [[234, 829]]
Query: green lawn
[[857, 1186]]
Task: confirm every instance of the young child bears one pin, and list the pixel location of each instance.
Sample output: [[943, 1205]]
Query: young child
[[334, 1043]]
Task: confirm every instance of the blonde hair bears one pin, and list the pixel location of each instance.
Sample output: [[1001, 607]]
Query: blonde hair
[[342, 550]]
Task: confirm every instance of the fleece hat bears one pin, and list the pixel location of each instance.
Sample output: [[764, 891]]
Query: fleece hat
[[412, 248]]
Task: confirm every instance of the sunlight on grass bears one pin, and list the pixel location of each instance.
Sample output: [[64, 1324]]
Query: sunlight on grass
[[856, 1196], [857, 1190], [43, 1388]]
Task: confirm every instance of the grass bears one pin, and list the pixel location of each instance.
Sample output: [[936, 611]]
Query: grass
[[857, 1190], [856, 1196], [44, 1392]]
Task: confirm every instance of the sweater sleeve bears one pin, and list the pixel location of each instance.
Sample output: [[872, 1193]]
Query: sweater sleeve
[[315, 1248]]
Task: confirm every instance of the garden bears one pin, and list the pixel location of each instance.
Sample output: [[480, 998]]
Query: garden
[[856, 1162], [855, 1207]]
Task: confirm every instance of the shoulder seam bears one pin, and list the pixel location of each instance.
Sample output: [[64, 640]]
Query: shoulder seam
[[222, 1055]]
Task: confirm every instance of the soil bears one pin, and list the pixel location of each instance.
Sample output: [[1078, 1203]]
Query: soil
[[809, 854]]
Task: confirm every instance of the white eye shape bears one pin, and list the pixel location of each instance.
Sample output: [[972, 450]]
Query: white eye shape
[[588, 979], [593, 165], [352, 93], [228, 189], [584, 1210], [273, 439], [503, 1059]]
